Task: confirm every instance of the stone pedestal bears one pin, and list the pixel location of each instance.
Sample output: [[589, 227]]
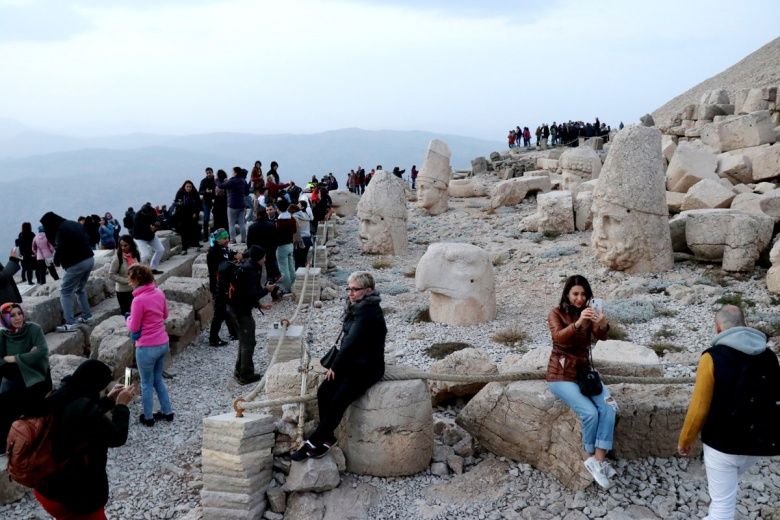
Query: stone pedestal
[[291, 344], [328, 232], [311, 292], [237, 465], [318, 256]]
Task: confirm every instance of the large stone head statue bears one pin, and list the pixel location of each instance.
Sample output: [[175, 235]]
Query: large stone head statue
[[434, 178], [630, 217], [382, 214], [462, 283]]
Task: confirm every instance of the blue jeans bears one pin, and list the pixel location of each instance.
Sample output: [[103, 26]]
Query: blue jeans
[[150, 361], [236, 217], [74, 281], [286, 261], [206, 217], [597, 413]]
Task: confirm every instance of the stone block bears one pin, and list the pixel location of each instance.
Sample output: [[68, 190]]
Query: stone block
[[315, 475], [67, 343], [765, 163], [200, 271], [544, 163], [277, 499], [205, 315], [513, 191], [179, 343], [465, 361], [753, 129], [479, 166], [525, 422], [62, 365], [250, 425], [116, 351], [674, 201], [228, 500], [389, 430], [736, 237], [707, 193], [611, 357], [735, 166], [221, 513], [556, 212], [181, 318], [311, 292], [284, 380], [232, 445], [43, 310], [688, 166], [583, 213], [344, 202], [192, 291], [243, 465], [113, 325], [318, 257], [290, 348], [255, 484]]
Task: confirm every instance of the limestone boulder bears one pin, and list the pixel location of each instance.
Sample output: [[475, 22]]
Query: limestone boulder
[[707, 194], [68, 342], [314, 475], [200, 271], [382, 213], [44, 310], [62, 365], [764, 162], [284, 380], [191, 291], [389, 430], [479, 166], [116, 351], [579, 165], [668, 147], [773, 275], [513, 191], [630, 214], [647, 120], [465, 361], [754, 101], [523, 421], [674, 201], [735, 166], [467, 188], [181, 318], [610, 357], [344, 202], [688, 166], [752, 129], [555, 212], [583, 214], [735, 237], [715, 97], [461, 280], [113, 325]]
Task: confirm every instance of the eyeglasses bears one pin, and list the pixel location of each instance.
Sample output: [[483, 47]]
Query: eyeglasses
[[354, 289]]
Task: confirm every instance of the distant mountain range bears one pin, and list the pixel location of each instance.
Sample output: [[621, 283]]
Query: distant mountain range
[[41, 171]]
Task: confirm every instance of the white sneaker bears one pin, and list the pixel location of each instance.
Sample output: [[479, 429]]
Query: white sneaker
[[596, 469], [609, 471], [68, 327]]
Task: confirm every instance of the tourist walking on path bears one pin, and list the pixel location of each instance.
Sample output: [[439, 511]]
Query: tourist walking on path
[[206, 190], [359, 364], [86, 425], [248, 292], [736, 407], [9, 292], [188, 207], [145, 235], [24, 367], [44, 257], [219, 253], [285, 230], [24, 243], [126, 256], [237, 189], [146, 323], [573, 326], [73, 252]]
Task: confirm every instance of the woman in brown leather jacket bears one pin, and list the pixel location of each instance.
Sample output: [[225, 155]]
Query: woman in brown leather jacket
[[573, 324]]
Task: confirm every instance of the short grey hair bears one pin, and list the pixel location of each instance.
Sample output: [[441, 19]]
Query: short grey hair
[[730, 316], [363, 278]]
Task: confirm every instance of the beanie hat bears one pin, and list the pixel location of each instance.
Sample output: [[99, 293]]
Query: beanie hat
[[219, 234], [256, 253]]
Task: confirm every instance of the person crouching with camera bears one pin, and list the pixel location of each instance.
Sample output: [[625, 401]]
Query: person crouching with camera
[[570, 375], [353, 365]]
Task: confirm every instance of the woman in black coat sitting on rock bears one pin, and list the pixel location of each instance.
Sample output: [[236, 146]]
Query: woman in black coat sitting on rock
[[359, 364]]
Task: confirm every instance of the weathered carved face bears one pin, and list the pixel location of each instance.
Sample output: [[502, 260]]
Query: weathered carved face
[[430, 192], [614, 236], [374, 234]]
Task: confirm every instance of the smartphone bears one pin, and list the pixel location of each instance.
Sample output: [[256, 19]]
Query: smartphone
[[128, 375], [598, 305]]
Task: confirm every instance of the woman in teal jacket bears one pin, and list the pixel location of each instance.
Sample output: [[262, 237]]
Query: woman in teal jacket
[[24, 367]]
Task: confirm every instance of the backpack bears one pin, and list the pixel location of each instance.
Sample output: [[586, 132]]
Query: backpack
[[229, 275], [30, 451]]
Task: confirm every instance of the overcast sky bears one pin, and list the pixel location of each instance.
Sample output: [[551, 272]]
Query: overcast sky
[[473, 68]]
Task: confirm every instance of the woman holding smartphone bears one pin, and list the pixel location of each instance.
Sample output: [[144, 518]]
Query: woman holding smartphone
[[573, 325]]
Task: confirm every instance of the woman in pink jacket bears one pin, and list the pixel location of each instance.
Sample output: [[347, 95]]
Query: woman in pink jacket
[[44, 257], [147, 327]]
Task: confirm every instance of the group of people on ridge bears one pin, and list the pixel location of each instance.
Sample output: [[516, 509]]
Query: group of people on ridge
[[566, 134]]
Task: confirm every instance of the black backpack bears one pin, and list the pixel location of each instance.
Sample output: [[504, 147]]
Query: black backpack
[[229, 278]]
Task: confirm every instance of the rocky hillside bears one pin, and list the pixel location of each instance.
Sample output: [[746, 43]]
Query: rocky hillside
[[759, 69]]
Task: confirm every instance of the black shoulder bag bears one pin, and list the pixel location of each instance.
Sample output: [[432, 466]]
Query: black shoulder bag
[[589, 379], [330, 356]]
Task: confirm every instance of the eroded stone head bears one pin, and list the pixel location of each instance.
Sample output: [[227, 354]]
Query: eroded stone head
[[434, 178], [462, 283], [382, 214]]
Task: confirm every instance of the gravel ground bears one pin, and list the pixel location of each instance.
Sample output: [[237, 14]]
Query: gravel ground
[[157, 473]]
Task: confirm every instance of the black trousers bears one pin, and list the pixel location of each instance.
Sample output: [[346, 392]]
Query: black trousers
[[333, 399], [221, 316], [245, 365], [40, 271], [124, 299]]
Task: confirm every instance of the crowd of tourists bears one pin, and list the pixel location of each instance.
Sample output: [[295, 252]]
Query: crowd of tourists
[[557, 134]]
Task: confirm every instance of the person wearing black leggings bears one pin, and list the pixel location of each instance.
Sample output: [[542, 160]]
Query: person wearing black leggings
[[359, 364]]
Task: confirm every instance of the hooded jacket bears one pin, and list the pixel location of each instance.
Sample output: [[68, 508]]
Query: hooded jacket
[[362, 349], [71, 243], [9, 292]]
